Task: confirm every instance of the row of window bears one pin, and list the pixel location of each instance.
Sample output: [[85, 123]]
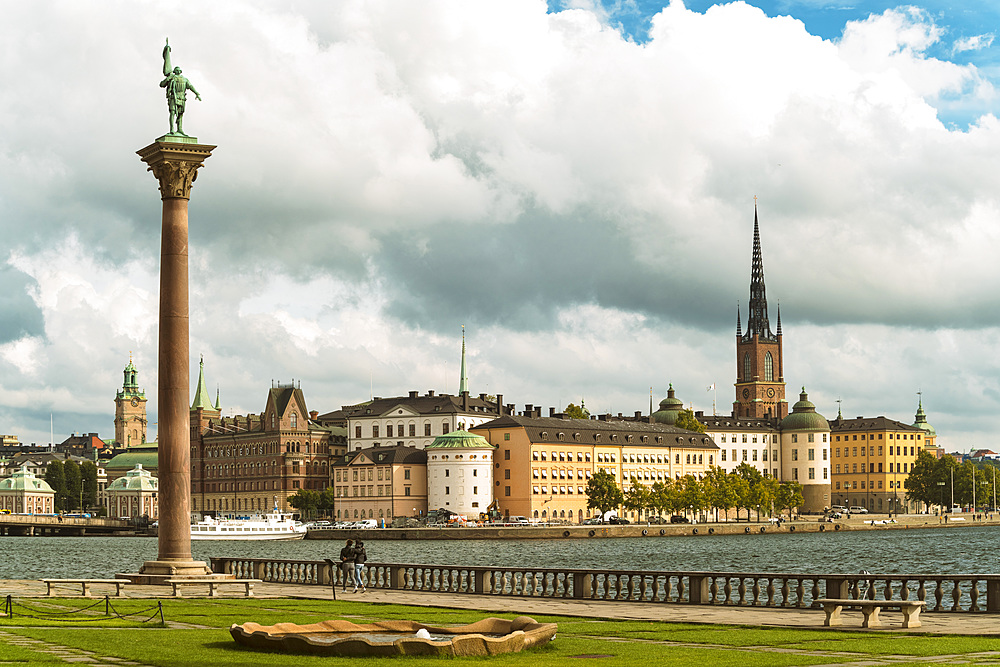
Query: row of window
[[262, 449], [557, 473], [893, 468], [556, 489], [855, 485], [897, 451], [382, 473], [399, 430], [732, 437], [892, 436], [370, 490]]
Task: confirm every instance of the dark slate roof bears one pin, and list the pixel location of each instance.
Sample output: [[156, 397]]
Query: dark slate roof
[[283, 396], [730, 423], [871, 424], [384, 456], [546, 429], [438, 403]]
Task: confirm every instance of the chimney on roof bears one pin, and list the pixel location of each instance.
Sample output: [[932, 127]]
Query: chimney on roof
[[500, 405], [430, 392], [482, 397], [638, 414], [413, 394], [312, 415], [465, 401], [552, 412], [529, 410]]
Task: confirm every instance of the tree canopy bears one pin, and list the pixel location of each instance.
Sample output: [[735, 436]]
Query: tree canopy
[[603, 492], [577, 411], [686, 419]]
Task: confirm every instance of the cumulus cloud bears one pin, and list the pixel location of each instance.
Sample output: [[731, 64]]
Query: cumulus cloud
[[973, 43], [388, 171]]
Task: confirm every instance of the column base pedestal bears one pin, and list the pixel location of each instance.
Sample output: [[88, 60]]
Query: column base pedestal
[[156, 572]]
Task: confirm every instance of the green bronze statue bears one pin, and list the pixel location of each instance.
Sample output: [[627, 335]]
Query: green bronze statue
[[177, 87]]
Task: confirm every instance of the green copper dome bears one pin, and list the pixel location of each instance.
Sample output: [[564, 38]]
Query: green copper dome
[[804, 417], [459, 440], [25, 480], [135, 479], [670, 408], [921, 421]]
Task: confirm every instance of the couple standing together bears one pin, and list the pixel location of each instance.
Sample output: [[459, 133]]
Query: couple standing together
[[352, 561]]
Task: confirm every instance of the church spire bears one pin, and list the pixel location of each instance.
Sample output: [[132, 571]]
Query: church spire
[[739, 326], [463, 384], [757, 324], [201, 398], [218, 403], [779, 318]]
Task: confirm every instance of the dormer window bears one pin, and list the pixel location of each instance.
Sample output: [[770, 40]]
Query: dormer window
[[293, 420]]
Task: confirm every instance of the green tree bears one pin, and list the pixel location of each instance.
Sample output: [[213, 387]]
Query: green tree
[[328, 500], [686, 419], [930, 480], [749, 493], [305, 501], [88, 474], [55, 477], [789, 496], [74, 485], [603, 492], [664, 497], [720, 489], [577, 411], [638, 498]]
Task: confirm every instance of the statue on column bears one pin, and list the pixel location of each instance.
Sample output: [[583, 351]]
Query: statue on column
[[176, 88]]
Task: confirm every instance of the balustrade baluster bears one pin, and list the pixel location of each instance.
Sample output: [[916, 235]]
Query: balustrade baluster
[[727, 592], [742, 590], [800, 594], [680, 588], [887, 589], [756, 592], [974, 596], [956, 595], [713, 588], [784, 592], [770, 592], [815, 592]]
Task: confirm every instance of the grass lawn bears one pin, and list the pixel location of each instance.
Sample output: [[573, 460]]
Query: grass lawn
[[197, 634]]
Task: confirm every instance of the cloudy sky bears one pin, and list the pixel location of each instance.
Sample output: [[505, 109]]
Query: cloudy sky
[[573, 182]]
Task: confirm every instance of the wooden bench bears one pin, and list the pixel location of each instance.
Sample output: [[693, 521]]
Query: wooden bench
[[870, 608], [85, 584], [213, 584]]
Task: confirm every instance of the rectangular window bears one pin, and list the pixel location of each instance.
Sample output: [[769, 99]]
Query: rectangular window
[[837, 470], [506, 436], [427, 430], [355, 475], [764, 455], [880, 467], [734, 456], [812, 473], [754, 455], [811, 454], [824, 473], [447, 490], [375, 430], [406, 473], [506, 455], [447, 472], [744, 455], [744, 437], [795, 455], [824, 453], [406, 490], [506, 490], [357, 431], [413, 430], [506, 473], [795, 473], [388, 431], [380, 473], [795, 437], [722, 453]]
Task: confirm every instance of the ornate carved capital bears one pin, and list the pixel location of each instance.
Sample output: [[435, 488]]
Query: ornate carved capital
[[175, 166]]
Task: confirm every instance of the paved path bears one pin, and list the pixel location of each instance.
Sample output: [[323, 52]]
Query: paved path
[[935, 623]]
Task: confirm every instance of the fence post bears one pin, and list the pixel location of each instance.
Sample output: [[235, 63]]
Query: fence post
[[398, 578], [484, 583], [698, 593], [993, 595], [837, 588], [583, 585]]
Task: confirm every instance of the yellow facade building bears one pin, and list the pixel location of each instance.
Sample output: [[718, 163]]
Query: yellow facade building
[[542, 465]]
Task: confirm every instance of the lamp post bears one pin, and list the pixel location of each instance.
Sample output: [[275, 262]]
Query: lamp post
[[941, 496]]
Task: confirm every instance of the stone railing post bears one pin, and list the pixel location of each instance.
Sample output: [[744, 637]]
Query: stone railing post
[[397, 578], [483, 581], [259, 568], [993, 595], [698, 592], [583, 585]]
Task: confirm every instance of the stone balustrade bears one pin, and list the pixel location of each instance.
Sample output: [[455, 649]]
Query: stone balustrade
[[942, 593]]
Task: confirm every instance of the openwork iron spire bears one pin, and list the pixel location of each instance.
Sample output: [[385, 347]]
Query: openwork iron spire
[[463, 383], [757, 324]]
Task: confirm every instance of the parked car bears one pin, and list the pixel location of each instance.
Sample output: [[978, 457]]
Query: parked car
[[618, 521], [858, 510], [679, 518], [593, 521], [520, 520], [838, 508]]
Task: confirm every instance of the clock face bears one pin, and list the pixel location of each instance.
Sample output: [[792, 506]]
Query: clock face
[[770, 392], [746, 393], [135, 403]]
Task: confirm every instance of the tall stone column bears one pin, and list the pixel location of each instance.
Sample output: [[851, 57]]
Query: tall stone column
[[174, 162]]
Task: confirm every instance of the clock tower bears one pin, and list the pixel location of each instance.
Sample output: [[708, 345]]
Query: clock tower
[[760, 380], [130, 410]]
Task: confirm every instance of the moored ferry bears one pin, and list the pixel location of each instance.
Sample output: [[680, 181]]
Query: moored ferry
[[274, 525]]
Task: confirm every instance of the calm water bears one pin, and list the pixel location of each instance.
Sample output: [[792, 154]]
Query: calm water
[[931, 551]]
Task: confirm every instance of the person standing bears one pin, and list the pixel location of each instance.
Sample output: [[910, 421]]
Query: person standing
[[360, 557], [347, 564]]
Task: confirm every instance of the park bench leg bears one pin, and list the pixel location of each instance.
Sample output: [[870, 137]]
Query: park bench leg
[[833, 614], [871, 617], [249, 589], [177, 590], [213, 590], [119, 587], [911, 616], [86, 588], [48, 591]]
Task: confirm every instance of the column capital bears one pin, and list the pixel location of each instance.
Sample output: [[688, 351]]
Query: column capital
[[175, 166]]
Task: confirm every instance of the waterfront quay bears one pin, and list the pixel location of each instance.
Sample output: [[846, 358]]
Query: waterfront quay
[[39, 524], [541, 532]]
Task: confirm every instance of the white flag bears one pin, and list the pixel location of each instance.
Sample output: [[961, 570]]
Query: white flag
[[710, 387]]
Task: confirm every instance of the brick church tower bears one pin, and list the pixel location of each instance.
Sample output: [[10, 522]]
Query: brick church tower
[[130, 410], [760, 377]]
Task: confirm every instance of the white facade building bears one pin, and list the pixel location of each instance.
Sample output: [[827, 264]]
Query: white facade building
[[460, 473]]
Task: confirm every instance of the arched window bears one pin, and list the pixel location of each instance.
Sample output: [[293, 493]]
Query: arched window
[[293, 420], [746, 367], [768, 368]]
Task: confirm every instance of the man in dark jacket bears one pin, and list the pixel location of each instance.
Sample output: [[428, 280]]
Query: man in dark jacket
[[347, 563]]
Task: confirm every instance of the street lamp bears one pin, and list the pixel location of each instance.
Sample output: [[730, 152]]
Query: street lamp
[[941, 496]]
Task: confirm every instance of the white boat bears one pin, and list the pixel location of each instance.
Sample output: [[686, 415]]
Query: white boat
[[274, 525]]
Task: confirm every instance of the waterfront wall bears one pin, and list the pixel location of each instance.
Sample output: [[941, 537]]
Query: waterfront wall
[[969, 593], [601, 531]]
